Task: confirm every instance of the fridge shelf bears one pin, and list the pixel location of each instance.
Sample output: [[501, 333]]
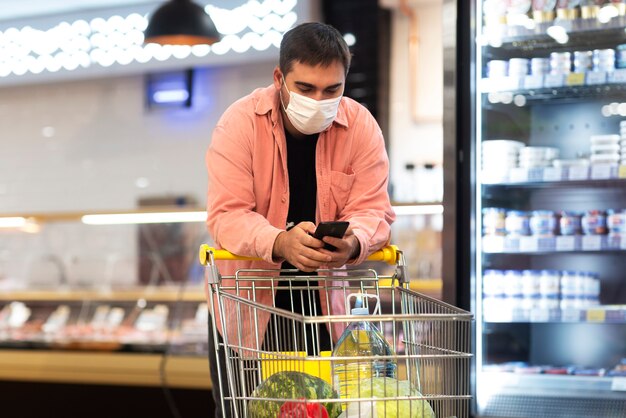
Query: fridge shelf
[[561, 321], [604, 183], [561, 244], [553, 89], [558, 385], [582, 33]]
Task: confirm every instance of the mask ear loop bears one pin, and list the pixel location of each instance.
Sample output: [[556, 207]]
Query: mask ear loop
[[280, 93]]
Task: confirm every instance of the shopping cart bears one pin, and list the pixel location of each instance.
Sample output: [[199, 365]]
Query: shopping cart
[[430, 342]]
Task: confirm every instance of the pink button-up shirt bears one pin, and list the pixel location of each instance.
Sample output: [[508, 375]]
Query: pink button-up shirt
[[248, 185]]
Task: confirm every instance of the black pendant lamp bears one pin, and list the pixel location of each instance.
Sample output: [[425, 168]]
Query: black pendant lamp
[[181, 22]]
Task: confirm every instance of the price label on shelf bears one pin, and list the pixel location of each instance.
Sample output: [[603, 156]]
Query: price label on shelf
[[592, 242], [622, 172], [533, 82], [575, 79], [618, 76], [596, 315], [619, 384], [596, 77], [539, 315], [528, 244], [566, 243], [518, 175], [493, 244], [601, 171], [554, 80], [552, 174], [578, 173]]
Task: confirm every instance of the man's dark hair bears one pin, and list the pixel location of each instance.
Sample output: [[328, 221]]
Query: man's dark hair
[[313, 44]]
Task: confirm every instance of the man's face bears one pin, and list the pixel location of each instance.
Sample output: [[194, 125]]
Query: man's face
[[316, 82]]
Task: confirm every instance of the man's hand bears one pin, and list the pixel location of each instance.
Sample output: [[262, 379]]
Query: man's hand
[[347, 248], [300, 249]]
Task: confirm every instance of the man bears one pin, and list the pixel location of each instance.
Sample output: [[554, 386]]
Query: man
[[287, 157]]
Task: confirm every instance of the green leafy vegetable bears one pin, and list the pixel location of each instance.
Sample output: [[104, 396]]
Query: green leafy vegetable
[[387, 387], [291, 385]]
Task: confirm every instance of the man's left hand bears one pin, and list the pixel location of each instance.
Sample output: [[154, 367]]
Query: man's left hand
[[347, 248]]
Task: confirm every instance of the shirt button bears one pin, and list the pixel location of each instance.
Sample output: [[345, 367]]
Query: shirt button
[[284, 199]]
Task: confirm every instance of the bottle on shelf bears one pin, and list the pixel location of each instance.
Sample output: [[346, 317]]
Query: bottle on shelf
[[363, 341]]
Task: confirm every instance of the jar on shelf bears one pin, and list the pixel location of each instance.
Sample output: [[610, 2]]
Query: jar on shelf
[[494, 222], [493, 283], [594, 222], [542, 223], [549, 284], [517, 223], [569, 284], [570, 222], [513, 284], [616, 221]]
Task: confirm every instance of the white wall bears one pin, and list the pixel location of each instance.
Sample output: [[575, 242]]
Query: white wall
[[416, 141], [81, 146], [104, 139]]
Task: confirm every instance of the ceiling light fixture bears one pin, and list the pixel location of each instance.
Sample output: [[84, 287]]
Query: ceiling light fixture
[[181, 22]]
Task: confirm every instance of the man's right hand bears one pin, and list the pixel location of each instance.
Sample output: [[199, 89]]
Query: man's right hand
[[300, 249]]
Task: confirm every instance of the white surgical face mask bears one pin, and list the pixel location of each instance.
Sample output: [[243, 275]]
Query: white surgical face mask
[[310, 116]]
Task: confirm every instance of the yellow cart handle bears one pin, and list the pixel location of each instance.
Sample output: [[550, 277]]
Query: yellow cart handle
[[389, 254]]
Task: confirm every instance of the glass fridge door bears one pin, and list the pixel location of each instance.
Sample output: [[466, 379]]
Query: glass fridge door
[[550, 279]]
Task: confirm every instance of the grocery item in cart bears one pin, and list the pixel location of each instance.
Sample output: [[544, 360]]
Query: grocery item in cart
[[363, 340], [291, 385], [393, 390]]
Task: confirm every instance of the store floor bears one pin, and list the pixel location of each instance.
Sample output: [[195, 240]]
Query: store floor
[[43, 400]]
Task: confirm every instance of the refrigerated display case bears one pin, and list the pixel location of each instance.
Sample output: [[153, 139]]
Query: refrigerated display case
[[535, 202]]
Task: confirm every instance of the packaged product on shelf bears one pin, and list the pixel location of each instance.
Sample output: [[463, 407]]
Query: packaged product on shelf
[[494, 222], [589, 10], [560, 63], [493, 283], [518, 67], [604, 60], [593, 222], [531, 291], [539, 66], [517, 223], [567, 10], [542, 223], [548, 297], [616, 222], [619, 369], [583, 61], [570, 222], [620, 56], [498, 157], [57, 320], [497, 69], [543, 10]]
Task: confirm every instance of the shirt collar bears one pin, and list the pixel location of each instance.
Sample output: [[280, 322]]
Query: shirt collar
[[270, 102]]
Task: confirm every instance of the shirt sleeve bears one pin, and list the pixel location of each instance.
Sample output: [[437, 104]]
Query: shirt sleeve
[[230, 196], [368, 207]]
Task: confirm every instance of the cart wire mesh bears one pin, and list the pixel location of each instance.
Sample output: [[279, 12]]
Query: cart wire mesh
[[285, 361]]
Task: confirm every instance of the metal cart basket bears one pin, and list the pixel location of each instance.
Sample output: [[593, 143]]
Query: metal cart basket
[[265, 350]]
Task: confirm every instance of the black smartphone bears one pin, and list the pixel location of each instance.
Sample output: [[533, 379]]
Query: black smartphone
[[335, 229]]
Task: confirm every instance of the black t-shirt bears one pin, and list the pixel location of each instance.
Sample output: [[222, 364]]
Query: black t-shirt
[[302, 204], [302, 178]]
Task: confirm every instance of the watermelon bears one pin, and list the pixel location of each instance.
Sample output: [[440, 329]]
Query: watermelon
[[291, 385]]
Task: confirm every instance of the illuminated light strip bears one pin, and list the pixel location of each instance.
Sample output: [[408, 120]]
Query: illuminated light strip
[[12, 222], [170, 96], [418, 210], [119, 40], [143, 218]]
